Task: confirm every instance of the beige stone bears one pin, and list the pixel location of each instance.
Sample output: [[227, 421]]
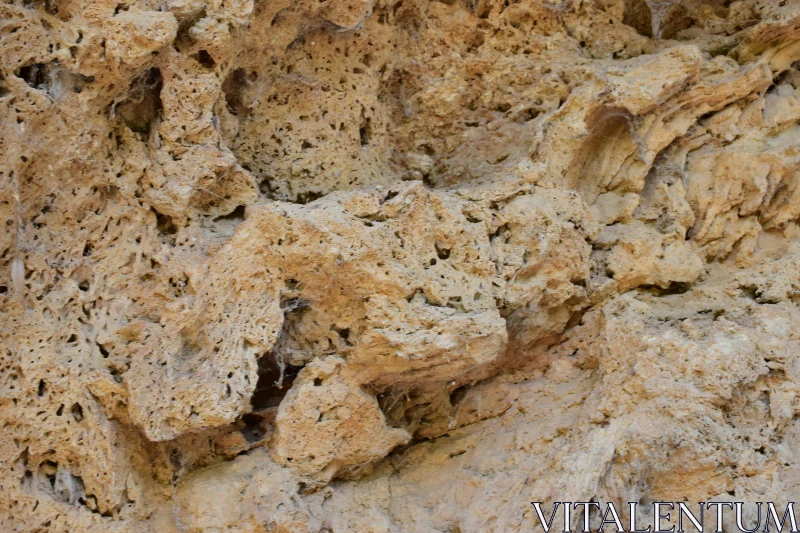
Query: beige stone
[[361, 266]]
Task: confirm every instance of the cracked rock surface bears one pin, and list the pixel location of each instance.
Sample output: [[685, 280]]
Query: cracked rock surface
[[276, 266]]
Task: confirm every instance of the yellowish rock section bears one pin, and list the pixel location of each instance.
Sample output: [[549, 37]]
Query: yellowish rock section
[[394, 266]]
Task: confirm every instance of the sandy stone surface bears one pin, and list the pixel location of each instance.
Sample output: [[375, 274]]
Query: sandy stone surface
[[275, 266]]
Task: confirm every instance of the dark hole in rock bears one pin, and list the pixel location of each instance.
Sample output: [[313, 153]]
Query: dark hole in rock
[[442, 252], [234, 87], [255, 427], [676, 20], [175, 457], [205, 59], [165, 224], [638, 16], [308, 196], [675, 287], [272, 386], [235, 216], [458, 395], [344, 333], [365, 131], [77, 412], [143, 105], [35, 75], [103, 350]]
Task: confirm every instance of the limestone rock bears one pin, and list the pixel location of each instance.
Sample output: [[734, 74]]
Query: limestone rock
[[348, 265]]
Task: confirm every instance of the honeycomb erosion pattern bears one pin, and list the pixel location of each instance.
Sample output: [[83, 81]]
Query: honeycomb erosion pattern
[[276, 266]]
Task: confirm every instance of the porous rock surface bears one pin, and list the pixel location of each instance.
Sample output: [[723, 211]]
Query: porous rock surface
[[394, 266]]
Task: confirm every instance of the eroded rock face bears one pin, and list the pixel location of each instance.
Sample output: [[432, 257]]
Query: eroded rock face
[[394, 266]]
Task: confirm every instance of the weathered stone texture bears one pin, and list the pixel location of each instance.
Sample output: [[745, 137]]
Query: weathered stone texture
[[394, 266]]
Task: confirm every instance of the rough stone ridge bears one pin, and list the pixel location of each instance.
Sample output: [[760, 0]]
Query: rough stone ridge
[[394, 265]]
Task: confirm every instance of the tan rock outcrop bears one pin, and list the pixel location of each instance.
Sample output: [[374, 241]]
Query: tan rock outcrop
[[394, 266]]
